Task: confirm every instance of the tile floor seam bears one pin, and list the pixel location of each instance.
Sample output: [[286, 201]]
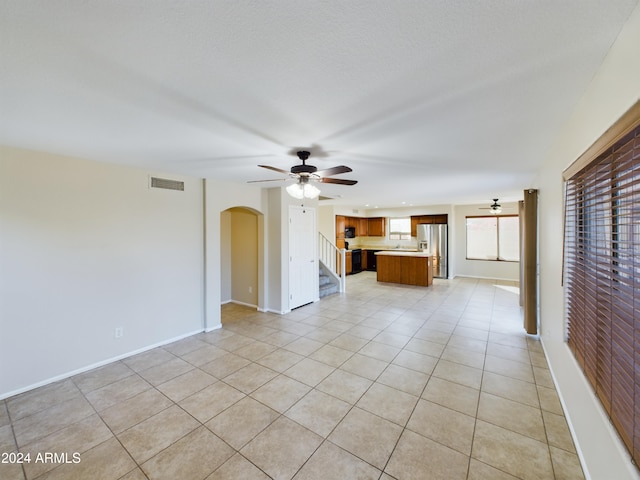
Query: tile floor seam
[[404, 428]]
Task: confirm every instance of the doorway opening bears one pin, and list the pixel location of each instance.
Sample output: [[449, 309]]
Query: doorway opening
[[240, 261]]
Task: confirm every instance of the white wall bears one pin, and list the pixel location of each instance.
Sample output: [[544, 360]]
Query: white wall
[[327, 222], [277, 251], [275, 255], [613, 90], [87, 247], [221, 196], [225, 257], [479, 268]]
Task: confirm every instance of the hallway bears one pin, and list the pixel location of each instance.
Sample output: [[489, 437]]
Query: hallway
[[383, 382]]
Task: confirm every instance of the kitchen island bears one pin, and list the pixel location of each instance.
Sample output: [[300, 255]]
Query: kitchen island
[[406, 267]]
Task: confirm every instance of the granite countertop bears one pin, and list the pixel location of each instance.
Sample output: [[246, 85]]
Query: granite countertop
[[403, 253]]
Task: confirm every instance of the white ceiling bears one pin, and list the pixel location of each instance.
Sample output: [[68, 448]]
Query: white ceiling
[[430, 102]]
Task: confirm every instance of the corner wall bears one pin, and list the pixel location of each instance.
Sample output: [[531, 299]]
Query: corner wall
[[614, 89], [221, 196], [87, 247]]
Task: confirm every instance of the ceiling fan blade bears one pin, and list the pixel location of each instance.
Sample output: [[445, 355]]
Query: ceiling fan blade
[[275, 169], [338, 181], [333, 171], [270, 180]]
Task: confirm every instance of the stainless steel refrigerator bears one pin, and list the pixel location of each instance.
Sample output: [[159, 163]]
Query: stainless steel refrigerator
[[433, 239]]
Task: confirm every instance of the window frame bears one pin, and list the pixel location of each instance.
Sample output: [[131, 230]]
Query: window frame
[[400, 235], [497, 259]]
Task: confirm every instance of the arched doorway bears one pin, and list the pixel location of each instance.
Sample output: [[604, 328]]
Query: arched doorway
[[241, 257]]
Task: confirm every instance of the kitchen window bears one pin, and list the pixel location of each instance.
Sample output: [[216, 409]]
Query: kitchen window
[[494, 238], [400, 228]]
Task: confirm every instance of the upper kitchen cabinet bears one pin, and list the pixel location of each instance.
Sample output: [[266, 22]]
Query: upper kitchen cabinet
[[365, 227], [340, 224], [376, 226], [351, 222], [428, 219], [362, 229]]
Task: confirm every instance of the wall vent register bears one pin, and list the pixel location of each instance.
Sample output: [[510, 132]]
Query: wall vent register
[[167, 184]]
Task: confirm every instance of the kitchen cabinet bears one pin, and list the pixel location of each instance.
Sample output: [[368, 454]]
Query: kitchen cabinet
[[348, 263], [362, 229], [372, 227], [426, 219], [340, 224], [376, 226], [351, 222], [408, 268]]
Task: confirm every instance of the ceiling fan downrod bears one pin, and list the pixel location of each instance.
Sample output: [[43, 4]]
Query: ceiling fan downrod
[[304, 168]]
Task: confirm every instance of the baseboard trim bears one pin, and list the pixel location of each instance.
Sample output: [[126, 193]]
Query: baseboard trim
[[486, 278], [238, 302], [101, 363]]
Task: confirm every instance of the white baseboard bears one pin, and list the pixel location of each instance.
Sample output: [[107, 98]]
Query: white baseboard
[[238, 302], [97, 365], [485, 278], [277, 312]]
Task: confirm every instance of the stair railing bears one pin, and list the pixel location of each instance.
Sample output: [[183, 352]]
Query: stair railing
[[333, 259]]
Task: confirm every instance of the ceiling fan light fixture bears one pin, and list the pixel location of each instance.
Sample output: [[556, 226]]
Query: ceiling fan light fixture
[[303, 189], [310, 191], [307, 175], [495, 209], [296, 191]]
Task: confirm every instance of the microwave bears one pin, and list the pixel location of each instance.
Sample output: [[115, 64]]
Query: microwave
[[350, 232]]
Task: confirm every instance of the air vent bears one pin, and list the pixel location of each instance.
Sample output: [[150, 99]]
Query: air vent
[[167, 184]]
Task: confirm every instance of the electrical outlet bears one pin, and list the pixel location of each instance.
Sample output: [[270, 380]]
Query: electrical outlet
[[250, 289], [119, 332]]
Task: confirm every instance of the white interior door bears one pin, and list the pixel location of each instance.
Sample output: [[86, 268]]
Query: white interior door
[[303, 262]]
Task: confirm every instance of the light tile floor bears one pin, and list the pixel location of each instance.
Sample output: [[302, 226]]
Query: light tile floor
[[384, 382]]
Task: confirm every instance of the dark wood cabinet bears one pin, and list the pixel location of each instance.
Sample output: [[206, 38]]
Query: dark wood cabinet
[[408, 270], [416, 220], [362, 229], [340, 224], [376, 226], [371, 227]]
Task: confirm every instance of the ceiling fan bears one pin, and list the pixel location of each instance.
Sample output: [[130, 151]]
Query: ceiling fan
[[495, 208], [306, 175]]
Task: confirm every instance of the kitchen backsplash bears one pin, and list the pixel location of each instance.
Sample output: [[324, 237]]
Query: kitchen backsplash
[[377, 243]]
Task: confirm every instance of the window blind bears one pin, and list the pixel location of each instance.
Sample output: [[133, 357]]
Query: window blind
[[602, 279]]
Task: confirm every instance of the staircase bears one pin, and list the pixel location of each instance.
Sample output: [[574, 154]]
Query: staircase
[[328, 285], [330, 257]]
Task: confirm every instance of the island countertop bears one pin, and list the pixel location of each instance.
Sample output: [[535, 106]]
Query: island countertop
[[403, 253]]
